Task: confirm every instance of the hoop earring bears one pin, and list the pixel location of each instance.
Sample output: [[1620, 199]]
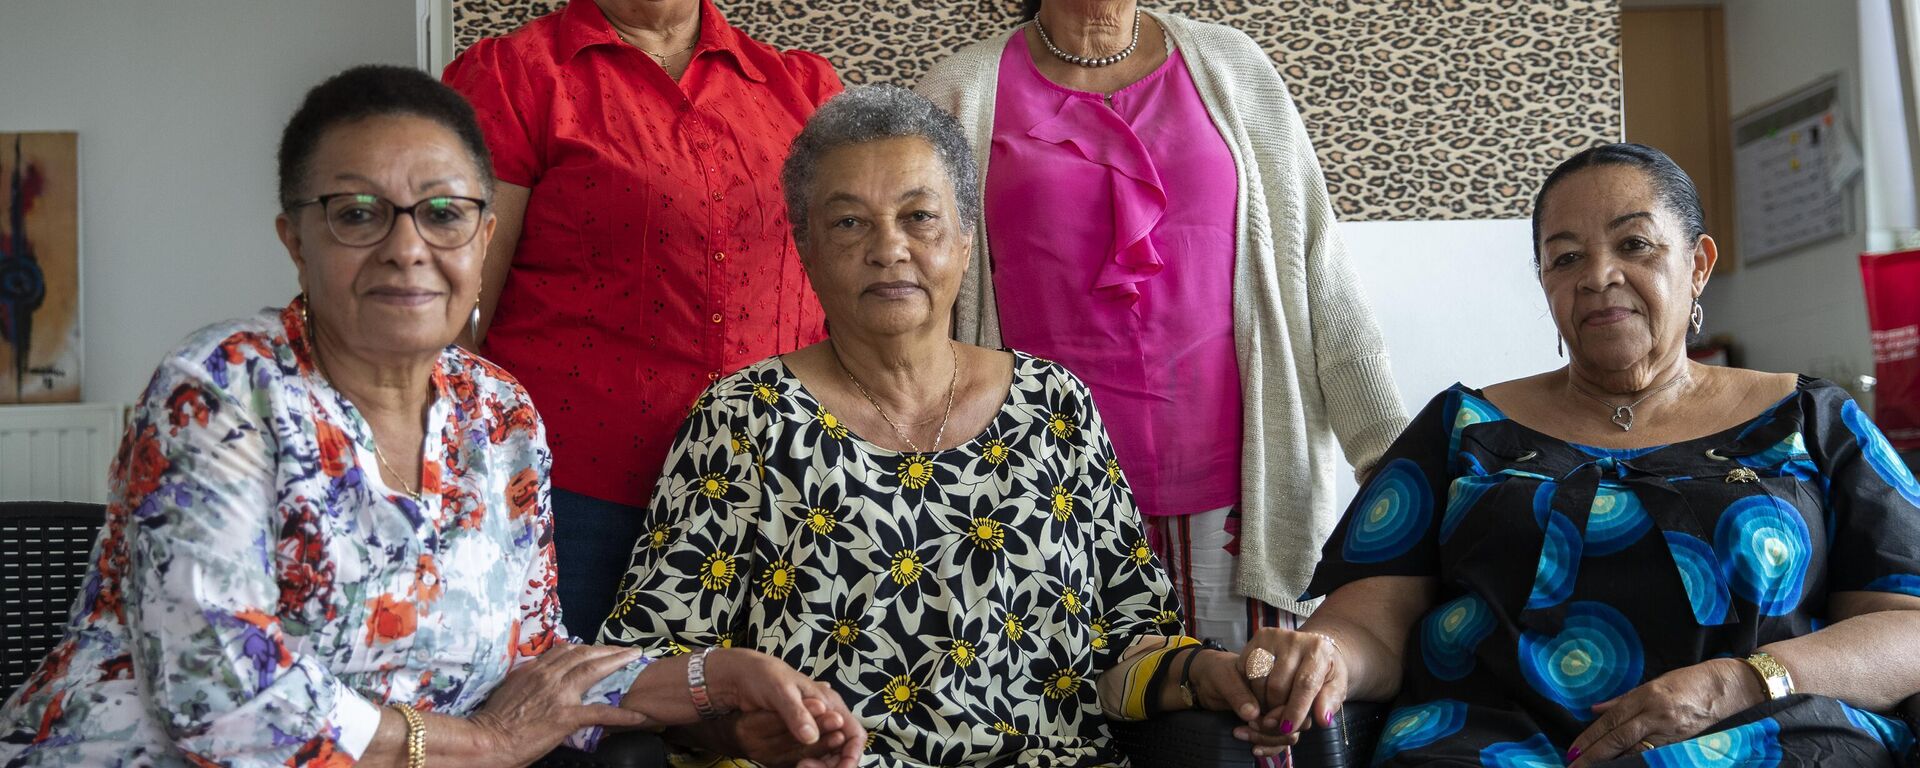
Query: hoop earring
[[1698, 316]]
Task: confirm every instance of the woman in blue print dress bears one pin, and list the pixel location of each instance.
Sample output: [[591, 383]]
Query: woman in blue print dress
[[1633, 559]]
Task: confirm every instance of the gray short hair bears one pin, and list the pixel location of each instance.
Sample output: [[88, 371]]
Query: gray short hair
[[874, 113]]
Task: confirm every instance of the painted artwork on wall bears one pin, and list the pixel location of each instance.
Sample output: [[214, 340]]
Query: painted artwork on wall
[[39, 268], [1450, 109]]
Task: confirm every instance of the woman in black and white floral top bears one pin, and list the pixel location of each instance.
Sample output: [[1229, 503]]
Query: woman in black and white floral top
[[938, 531]]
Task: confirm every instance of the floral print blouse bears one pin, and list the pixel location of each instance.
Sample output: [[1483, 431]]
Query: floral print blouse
[[258, 592], [964, 602]]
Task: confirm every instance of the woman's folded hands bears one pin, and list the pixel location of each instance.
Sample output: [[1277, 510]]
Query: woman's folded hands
[[1297, 681]]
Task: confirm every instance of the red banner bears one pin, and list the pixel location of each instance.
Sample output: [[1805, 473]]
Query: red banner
[[1892, 281]]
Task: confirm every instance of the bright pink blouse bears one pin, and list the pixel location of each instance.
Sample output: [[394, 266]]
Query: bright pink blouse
[[1111, 221]]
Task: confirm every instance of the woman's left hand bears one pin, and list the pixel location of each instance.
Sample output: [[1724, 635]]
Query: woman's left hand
[[1673, 707], [764, 737]]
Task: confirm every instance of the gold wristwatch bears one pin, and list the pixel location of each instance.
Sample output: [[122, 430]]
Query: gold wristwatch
[[1772, 673]]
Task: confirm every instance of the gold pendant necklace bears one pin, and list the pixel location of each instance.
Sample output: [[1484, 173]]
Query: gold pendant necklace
[[952, 384], [662, 58], [657, 57], [313, 352]]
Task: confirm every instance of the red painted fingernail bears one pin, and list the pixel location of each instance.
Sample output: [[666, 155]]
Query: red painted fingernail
[[1573, 754], [1286, 726]]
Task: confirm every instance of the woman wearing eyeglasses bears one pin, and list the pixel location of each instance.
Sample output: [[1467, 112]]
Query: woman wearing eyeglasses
[[329, 540]]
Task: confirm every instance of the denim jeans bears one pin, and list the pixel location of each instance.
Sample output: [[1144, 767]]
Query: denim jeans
[[593, 544]]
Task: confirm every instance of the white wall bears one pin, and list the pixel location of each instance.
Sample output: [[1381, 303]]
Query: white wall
[[1801, 312], [1890, 182], [1457, 302], [179, 107]]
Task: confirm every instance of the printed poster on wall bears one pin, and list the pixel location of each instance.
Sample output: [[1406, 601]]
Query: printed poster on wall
[[1792, 163], [39, 268]]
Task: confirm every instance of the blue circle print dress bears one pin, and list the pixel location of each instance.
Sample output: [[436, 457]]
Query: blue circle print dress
[[1569, 575]]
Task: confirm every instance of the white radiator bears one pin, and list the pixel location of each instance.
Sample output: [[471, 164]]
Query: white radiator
[[58, 452]]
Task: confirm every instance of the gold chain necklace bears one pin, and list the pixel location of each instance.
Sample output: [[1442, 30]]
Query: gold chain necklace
[[952, 384], [313, 351], [657, 57]]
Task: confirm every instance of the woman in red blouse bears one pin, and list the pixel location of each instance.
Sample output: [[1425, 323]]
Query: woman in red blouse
[[643, 249]]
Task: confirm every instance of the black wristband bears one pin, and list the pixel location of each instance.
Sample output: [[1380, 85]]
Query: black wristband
[[1156, 685], [1186, 672], [1206, 644]]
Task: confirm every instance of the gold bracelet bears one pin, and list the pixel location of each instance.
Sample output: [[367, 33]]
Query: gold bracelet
[[416, 735], [1773, 675]]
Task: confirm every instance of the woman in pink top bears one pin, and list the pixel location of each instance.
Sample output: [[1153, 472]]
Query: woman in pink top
[[1114, 215], [1155, 221]]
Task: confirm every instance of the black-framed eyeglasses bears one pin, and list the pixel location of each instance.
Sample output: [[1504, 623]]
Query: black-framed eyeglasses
[[359, 219]]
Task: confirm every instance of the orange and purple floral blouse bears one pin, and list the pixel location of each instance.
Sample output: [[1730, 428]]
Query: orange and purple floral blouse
[[258, 592]]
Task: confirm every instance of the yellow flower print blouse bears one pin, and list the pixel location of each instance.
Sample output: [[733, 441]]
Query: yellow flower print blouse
[[963, 602]]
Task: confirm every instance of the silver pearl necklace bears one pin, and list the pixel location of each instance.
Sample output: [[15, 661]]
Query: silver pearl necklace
[[1087, 61]]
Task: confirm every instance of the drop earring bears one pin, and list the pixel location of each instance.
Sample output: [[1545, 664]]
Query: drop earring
[[1698, 316], [473, 321], [1560, 343]]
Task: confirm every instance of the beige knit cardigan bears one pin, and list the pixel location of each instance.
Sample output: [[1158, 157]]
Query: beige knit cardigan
[[1312, 364]]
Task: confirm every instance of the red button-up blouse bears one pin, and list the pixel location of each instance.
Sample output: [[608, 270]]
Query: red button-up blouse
[[656, 255]]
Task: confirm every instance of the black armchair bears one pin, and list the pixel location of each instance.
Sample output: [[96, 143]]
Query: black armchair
[[630, 749], [44, 548], [1173, 740], [1205, 740]]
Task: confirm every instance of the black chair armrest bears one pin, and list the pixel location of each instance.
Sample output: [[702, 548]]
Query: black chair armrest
[[1348, 744], [626, 749], [1191, 739], [1184, 739]]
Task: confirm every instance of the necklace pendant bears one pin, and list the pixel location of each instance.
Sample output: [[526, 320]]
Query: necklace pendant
[[1623, 417]]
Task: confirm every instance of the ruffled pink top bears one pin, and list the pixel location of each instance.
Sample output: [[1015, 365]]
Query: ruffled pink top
[[1111, 222]]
